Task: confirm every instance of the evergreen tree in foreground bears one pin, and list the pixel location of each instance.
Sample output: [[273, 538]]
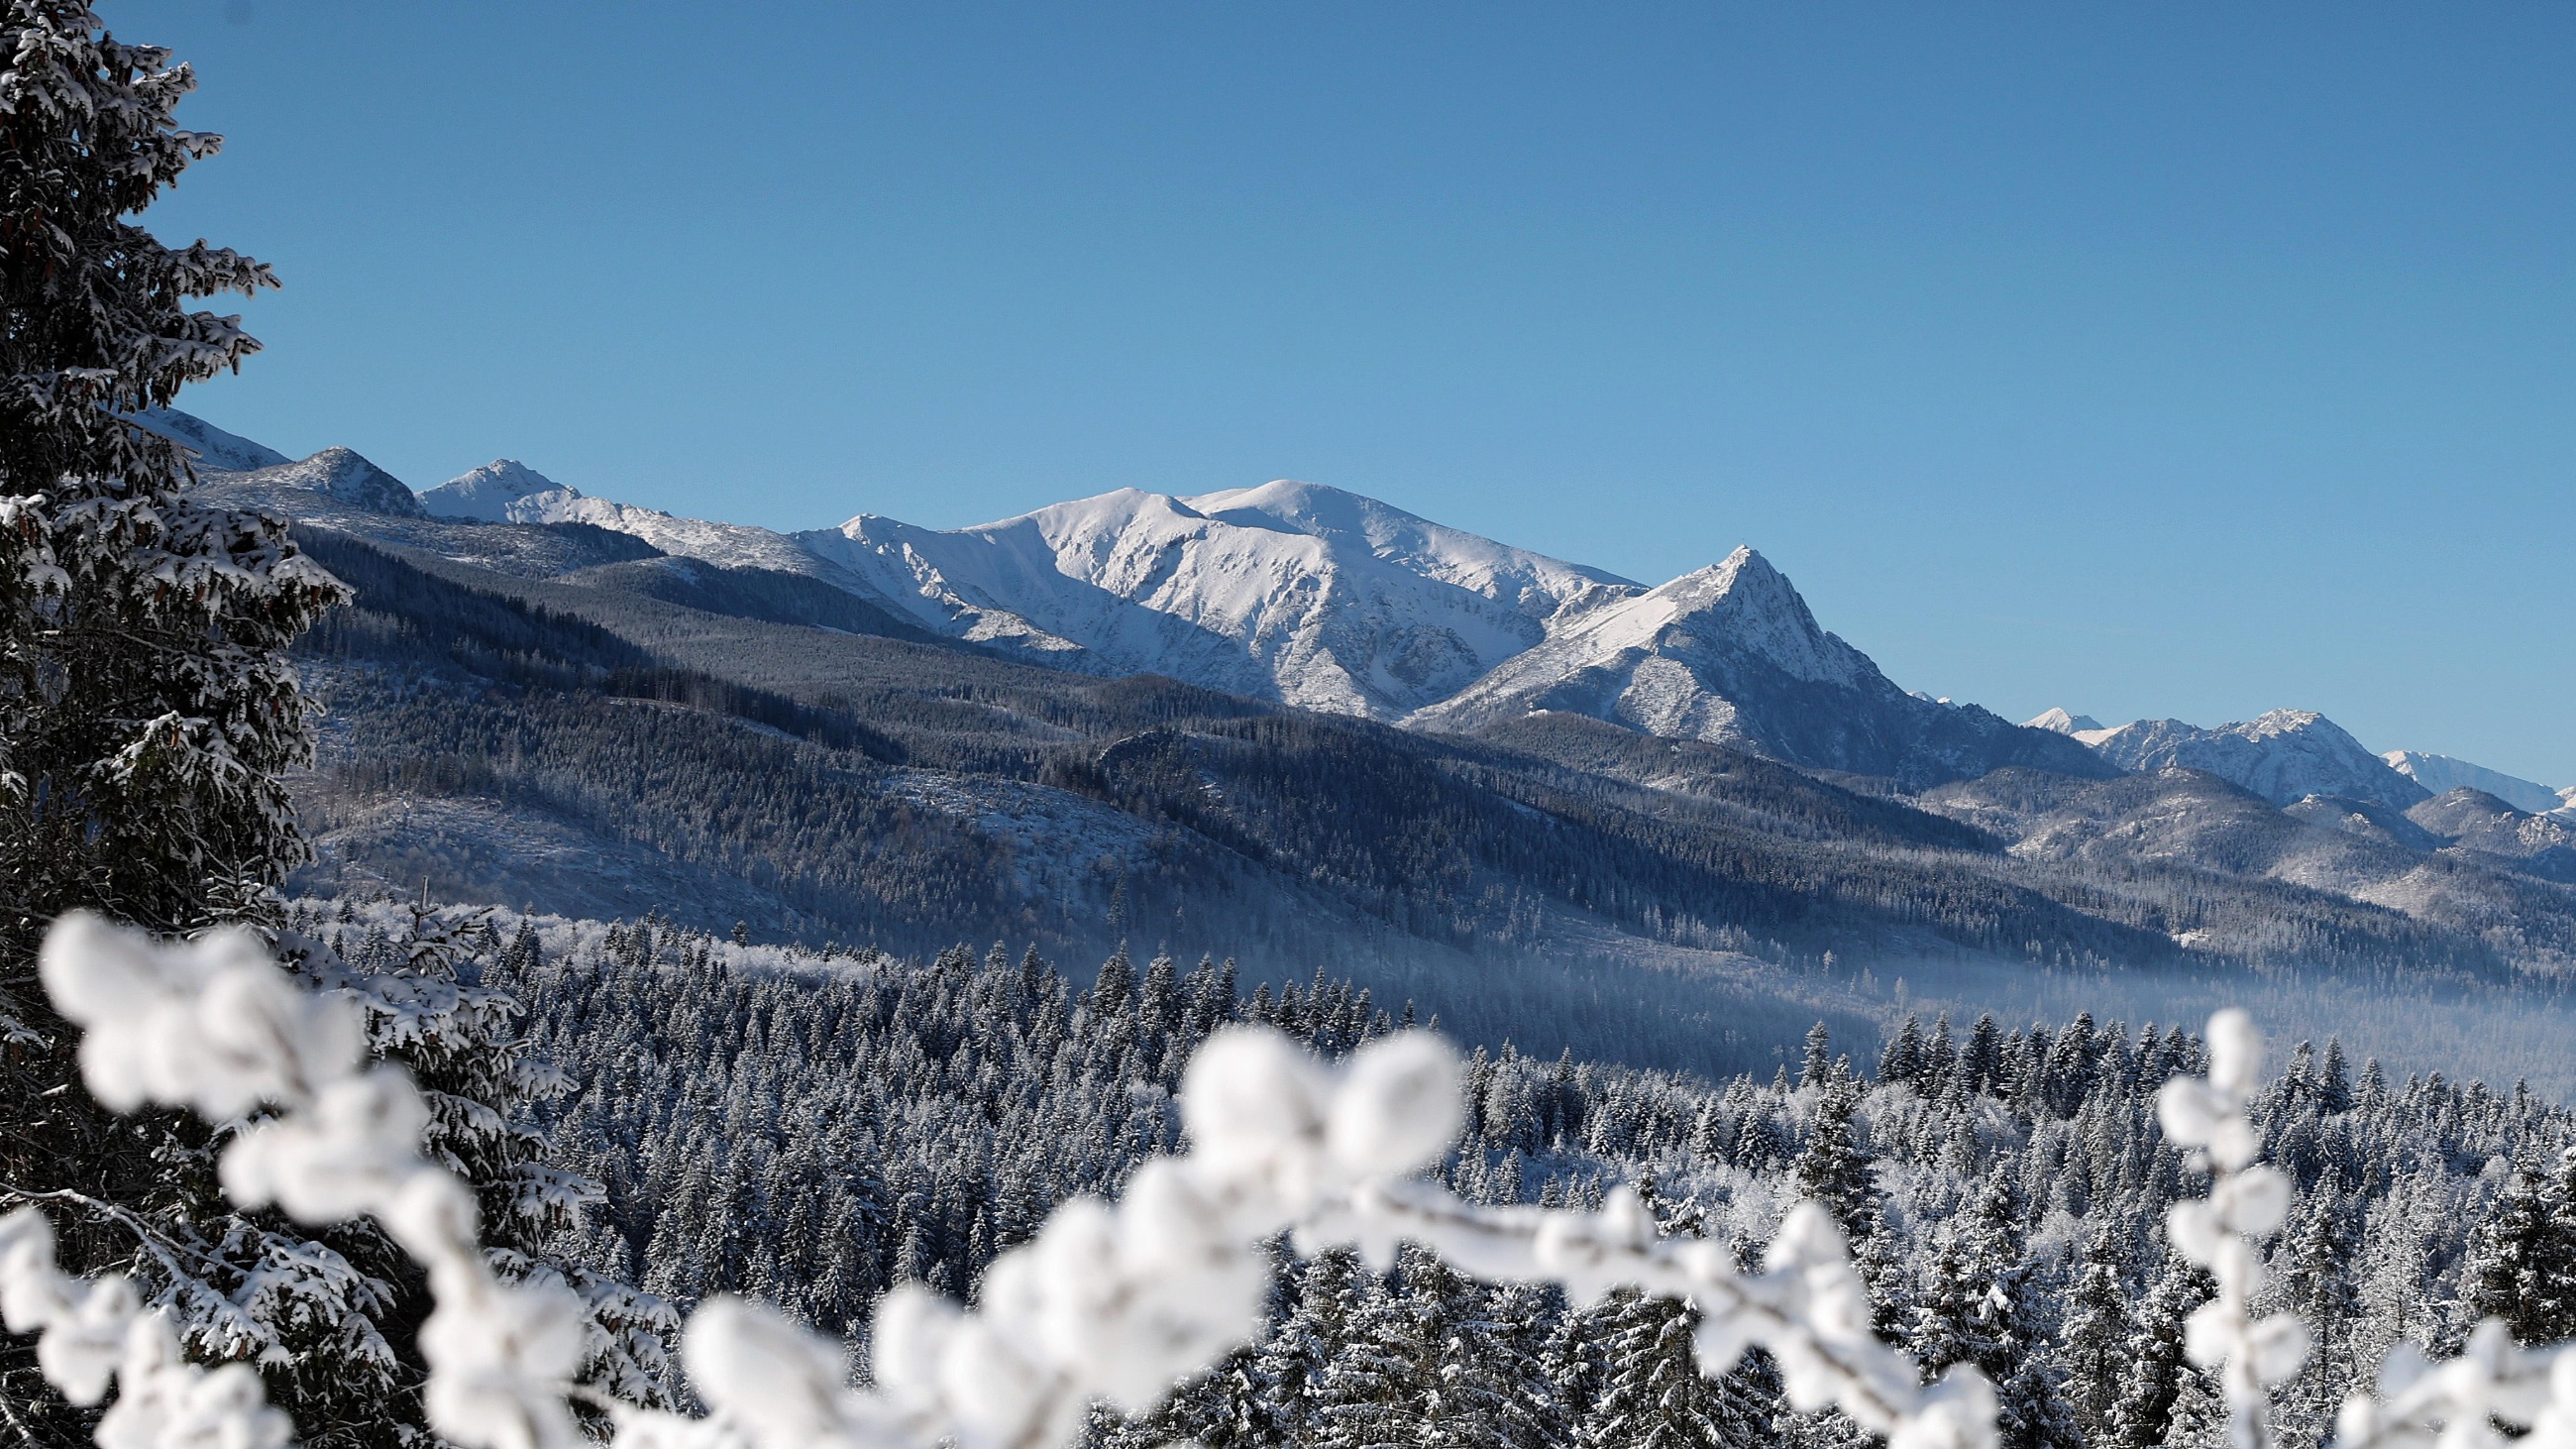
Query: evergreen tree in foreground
[[146, 705], [147, 713], [146, 708]]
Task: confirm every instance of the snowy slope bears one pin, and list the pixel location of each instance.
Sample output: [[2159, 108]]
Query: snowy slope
[[508, 491], [2442, 774], [1732, 655], [2283, 756], [504, 490], [217, 451], [1288, 591], [335, 473]]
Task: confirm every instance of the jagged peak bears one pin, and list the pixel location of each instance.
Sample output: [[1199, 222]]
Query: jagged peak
[[1741, 600]]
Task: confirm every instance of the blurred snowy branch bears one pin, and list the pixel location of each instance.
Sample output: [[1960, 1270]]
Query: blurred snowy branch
[[2221, 1232]]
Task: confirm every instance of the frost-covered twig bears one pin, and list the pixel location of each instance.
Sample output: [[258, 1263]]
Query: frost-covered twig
[[2246, 1204], [2457, 1404], [1114, 1303], [215, 1025]]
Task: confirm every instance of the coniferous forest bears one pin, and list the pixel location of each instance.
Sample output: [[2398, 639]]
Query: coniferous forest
[[813, 1129]]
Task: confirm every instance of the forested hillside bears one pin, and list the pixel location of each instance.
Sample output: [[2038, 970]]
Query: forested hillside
[[549, 726]]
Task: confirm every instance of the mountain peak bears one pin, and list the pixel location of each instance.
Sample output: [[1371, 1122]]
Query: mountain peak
[[1290, 590], [1753, 605], [1326, 508], [344, 475], [1730, 654], [2283, 755], [2442, 774], [488, 493], [2057, 721]]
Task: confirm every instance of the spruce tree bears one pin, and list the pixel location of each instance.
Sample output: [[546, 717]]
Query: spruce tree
[[2157, 1368], [1815, 1067], [1652, 1395], [147, 710], [1833, 1170], [1839, 1175], [2522, 1257], [1373, 1390]]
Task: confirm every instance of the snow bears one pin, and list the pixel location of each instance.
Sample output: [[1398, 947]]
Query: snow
[[340, 474], [508, 491], [2441, 774], [217, 451], [1115, 1302], [1288, 591], [1658, 652], [2284, 756], [504, 490], [2058, 721]]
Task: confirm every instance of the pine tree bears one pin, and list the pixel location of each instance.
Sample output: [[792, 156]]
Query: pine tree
[[1982, 1059], [2317, 1285], [1902, 1059], [1488, 1377], [1837, 1174], [1833, 1170], [1372, 1391], [1816, 1066]]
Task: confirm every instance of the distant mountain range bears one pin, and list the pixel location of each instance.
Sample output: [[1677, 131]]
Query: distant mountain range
[[1332, 725], [1332, 601]]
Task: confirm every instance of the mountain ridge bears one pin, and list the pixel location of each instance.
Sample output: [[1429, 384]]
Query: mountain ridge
[[1326, 599]]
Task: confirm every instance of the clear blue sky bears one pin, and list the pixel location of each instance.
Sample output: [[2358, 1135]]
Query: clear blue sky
[[2151, 360]]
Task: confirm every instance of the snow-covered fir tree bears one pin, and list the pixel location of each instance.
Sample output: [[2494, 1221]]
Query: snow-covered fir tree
[[2521, 1263]]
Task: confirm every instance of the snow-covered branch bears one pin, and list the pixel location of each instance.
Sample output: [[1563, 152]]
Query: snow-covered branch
[[2457, 1404], [217, 1026], [2246, 1204], [1114, 1303]]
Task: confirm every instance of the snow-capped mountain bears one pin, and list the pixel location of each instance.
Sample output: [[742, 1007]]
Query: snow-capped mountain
[[506, 490], [1732, 655], [335, 473], [2059, 722], [1337, 602], [2284, 756], [2442, 774], [1289, 591]]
